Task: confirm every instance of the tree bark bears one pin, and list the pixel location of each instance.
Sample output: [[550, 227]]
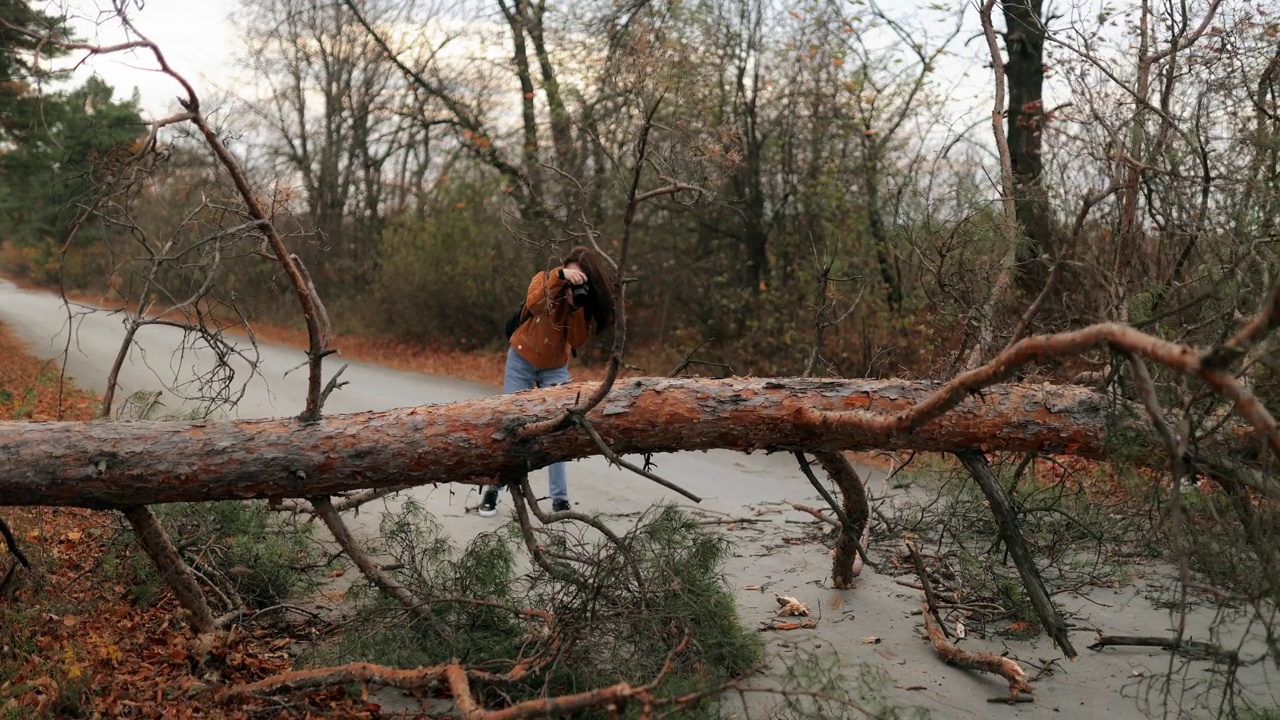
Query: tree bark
[[119, 465], [855, 513], [515, 15], [1024, 70]]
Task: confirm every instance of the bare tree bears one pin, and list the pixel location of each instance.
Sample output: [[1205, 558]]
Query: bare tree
[[1225, 430], [335, 109]]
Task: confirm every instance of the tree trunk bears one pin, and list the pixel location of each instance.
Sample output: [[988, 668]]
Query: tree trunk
[[120, 465], [561, 119], [875, 223], [515, 15], [1024, 43]]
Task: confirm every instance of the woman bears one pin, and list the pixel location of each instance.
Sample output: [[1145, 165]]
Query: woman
[[563, 307]]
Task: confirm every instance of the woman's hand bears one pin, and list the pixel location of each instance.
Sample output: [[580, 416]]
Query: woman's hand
[[573, 275]]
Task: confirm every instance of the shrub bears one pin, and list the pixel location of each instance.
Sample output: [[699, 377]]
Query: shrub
[[616, 615]]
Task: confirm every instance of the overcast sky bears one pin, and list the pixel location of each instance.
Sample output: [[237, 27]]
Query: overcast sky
[[196, 37], [200, 42]]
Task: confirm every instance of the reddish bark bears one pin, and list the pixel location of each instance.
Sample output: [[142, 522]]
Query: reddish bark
[[1179, 358], [984, 661], [118, 465], [856, 510], [947, 650]]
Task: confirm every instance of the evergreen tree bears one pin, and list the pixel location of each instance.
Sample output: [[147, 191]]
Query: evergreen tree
[[63, 161], [18, 76], [58, 148]]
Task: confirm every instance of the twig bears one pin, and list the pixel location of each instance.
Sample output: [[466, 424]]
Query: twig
[[689, 361], [733, 521], [331, 386], [226, 599], [251, 614], [814, 512], [522, 504], [781, 625], [1190, 648], [930, 600], [332, 520], [1147, 390], [1034, 309], [1006, 521], [343, 504], [986, 662], [12, 543], [617, 460], [1012, 699]]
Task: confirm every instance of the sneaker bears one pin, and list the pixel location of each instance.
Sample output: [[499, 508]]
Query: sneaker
[[559, 505], [489, 503]]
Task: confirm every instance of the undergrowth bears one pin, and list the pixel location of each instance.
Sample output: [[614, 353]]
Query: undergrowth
[[1077, 528], [247, 553], [615, 618]]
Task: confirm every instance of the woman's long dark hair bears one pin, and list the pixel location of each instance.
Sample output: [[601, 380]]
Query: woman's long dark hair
[[599, 305]]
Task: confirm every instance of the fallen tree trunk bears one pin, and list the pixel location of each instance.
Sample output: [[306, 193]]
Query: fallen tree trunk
[[117, 465]]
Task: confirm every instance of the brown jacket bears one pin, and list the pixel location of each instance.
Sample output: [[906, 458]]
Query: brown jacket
[[545, 338]]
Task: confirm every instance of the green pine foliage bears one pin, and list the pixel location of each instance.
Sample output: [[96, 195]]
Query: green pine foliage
[[615, 617], [73, 151]]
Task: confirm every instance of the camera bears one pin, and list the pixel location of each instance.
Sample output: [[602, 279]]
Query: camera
[[580, 293]]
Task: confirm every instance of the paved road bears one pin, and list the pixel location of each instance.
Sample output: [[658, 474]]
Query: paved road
[[162, 360], [1101, 685]]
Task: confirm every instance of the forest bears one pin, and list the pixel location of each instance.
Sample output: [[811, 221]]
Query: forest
[[1026, 251]]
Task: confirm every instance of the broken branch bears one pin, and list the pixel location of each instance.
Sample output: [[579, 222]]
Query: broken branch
[[950, 654]]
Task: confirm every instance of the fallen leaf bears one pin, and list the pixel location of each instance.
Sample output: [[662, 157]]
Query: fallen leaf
[[791, 606], [871, 640], [1022, 626], [751, 587], [960, 629]]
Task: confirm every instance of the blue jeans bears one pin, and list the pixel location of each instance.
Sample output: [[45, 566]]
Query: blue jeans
[[520, 375]]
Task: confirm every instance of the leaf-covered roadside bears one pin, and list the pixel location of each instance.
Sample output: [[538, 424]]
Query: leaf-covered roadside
[[74, 639]]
